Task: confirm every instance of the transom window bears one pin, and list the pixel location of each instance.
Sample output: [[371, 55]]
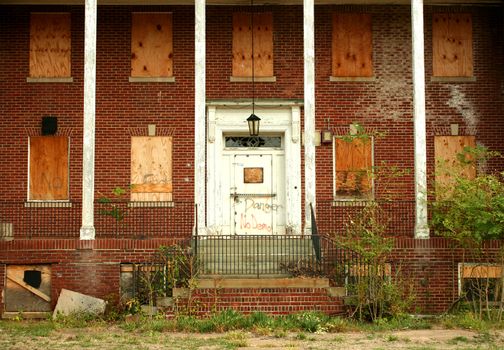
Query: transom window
[[258, 141]]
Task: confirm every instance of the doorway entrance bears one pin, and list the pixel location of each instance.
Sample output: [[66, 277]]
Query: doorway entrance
[[248, 192]]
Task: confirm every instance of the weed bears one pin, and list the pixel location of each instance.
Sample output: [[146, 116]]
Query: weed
[[235, 340], [458, 339], [391, 338], [301, 336]]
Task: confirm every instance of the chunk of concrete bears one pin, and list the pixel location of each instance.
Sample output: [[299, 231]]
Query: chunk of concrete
[[70, 302]]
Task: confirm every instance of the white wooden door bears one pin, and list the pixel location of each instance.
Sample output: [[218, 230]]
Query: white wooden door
[[253, 198]]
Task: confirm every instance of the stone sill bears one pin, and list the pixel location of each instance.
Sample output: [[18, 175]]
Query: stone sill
[[49, 80], [249, 79], [352, 79], [151, 204], [453, 79], [151, 79], [351, 202], [48, 204]]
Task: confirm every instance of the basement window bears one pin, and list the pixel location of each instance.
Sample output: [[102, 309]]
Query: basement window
[[50, 47], [263, 47], [480, 282], [353, 162], [152, 47], [352, 47], [452, 53]]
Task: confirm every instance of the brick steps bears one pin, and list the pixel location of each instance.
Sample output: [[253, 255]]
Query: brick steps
[[272, 296]]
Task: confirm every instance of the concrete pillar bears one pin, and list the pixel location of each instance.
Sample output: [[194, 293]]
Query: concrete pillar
[[87, 230], [421, 225], [309, 108], [199, 113]]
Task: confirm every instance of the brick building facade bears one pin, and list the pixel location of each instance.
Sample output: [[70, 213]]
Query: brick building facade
[[40, 230]]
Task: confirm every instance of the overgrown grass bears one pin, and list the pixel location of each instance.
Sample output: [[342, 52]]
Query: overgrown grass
[[257, 322]]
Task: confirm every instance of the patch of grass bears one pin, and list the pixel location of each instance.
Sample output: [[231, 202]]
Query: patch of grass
[[301, 336], [234, 340], [28, 328], [466, 320], [391, 338], [458, 339]]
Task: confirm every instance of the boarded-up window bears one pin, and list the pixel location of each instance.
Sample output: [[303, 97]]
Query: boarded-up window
[[28, 288], [48, 168], [151, 45], [151, 168], [452, 45], [50, 45], [481, 282], [446, 151], [352, 52], [263, 44], [353, 166]]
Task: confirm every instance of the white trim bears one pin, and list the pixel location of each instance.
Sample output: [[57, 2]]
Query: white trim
[[417, 23], [87, 231], [199, 112], [309, 110], [228, 120]]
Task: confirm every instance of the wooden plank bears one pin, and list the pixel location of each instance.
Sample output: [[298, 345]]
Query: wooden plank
[[150, 188], [50, 45], [353, 164], [362, 270], [352, 48], [151, 45], [49, 168], [29, 288], [19, 296], [452, 45], [151, 168], [481, 271], [446, 149], [263, 44]]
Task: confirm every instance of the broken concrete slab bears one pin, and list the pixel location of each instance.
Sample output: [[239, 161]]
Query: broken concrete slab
[[70, 302]]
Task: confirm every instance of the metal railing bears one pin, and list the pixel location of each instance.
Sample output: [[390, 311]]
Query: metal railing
[[334, 216], [253, 255], [119, 219]]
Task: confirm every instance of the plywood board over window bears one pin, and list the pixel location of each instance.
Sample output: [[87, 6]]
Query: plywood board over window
[[446, 150], [48, 168], [452, 45], [263, 44], [151, 168], [28, 288], [50, 45], [352, 52], [151, 45], [353, 167]]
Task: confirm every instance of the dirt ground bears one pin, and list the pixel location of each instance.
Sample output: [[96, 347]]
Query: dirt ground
[[116, 338]]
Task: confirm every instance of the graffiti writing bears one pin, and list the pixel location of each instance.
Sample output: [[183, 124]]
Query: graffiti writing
[[251, 223], [251, 204]]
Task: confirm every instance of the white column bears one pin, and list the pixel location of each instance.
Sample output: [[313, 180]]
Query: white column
[[421, 226], [309, 108], [87, 230], [199, 112]]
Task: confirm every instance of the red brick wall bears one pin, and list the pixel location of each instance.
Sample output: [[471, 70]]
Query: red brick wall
[[94, 268]]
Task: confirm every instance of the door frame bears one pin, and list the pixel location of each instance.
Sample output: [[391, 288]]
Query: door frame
[[228, 119]]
